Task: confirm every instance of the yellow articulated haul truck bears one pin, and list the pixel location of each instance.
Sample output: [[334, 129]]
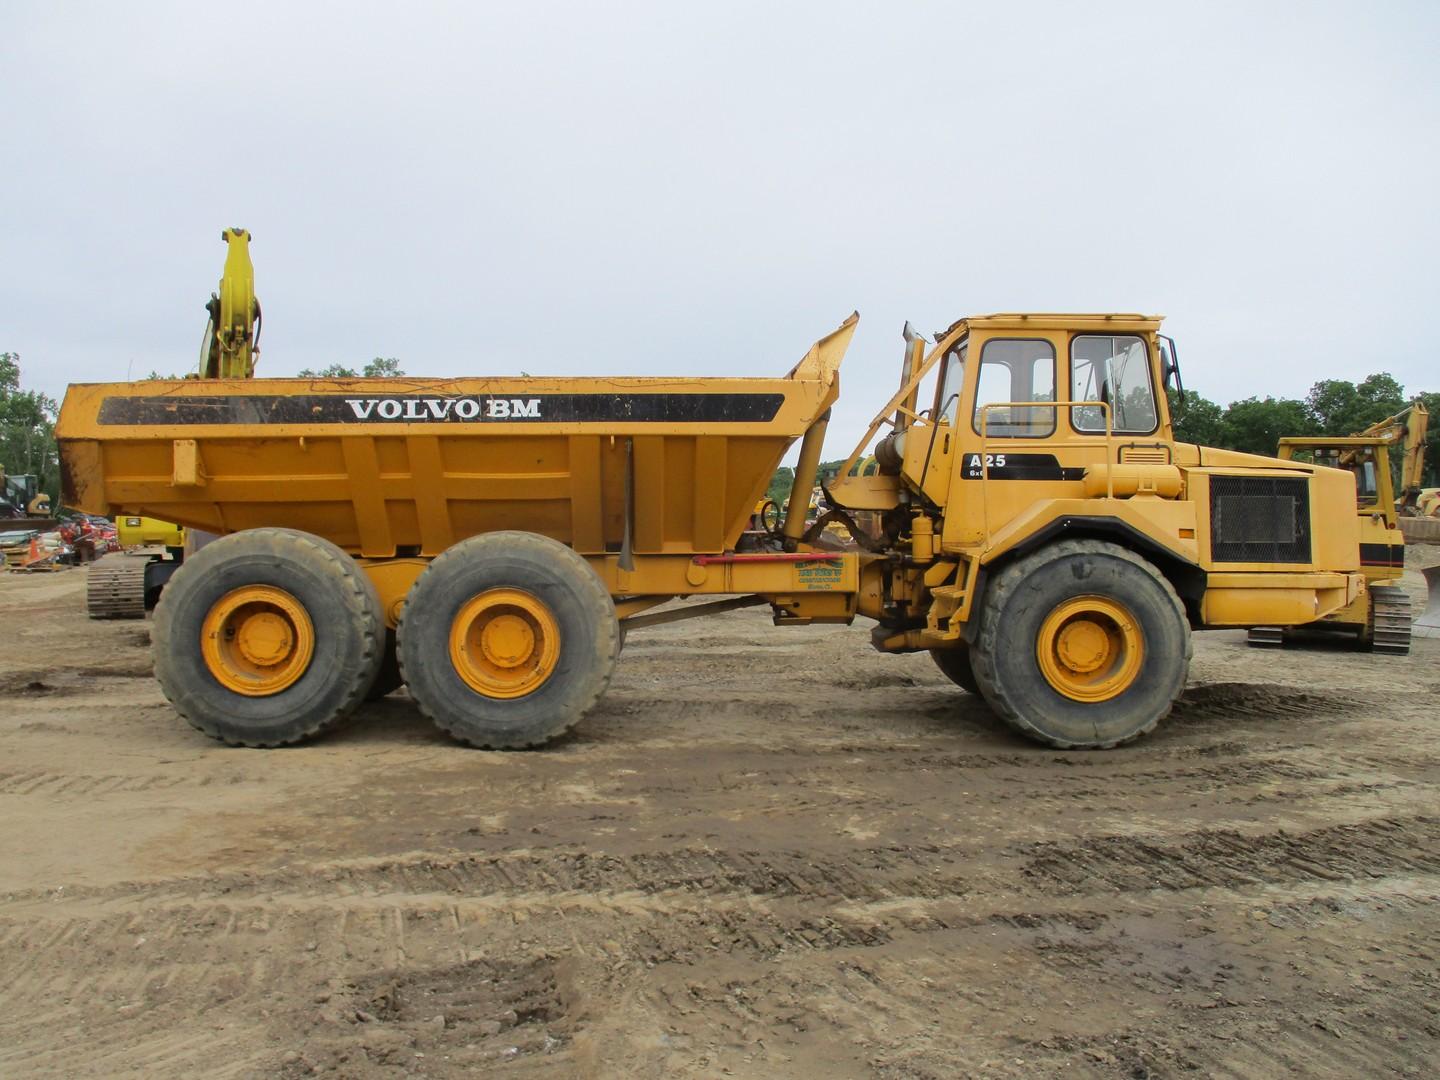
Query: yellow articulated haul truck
[[1042, 534]]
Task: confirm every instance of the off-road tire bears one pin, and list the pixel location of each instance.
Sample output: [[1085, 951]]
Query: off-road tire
[[388, 679], [575, 596], [342, 605], [955, 663], [1016, 604]]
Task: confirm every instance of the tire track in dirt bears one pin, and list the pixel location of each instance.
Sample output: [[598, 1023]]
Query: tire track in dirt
[[1209, 858], [1199, 859], [59, 782]]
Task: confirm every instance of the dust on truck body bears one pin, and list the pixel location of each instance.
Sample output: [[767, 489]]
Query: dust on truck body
[[1040, 532]]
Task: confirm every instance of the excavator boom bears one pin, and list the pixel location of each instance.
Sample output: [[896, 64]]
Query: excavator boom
[[232, 339]]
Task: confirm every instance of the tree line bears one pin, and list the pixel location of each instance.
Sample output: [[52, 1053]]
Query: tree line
[[1332, 407]]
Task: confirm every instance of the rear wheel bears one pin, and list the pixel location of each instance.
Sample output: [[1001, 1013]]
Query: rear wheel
[[267, 636], [507, 640], [955, 663], [1082, 645]]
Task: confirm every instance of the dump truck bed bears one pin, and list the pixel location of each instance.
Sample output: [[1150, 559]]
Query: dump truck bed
[[411, 466]]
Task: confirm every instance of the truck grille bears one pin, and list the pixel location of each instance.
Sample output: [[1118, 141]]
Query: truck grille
[[1263, 519]]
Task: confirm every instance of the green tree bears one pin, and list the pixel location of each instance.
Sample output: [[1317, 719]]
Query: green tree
[[1339, 407], [382, 367], [27, 428], [779, 489], [1197, 419], [1256, 425]]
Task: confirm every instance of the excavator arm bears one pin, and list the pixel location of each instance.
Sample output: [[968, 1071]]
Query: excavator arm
[[232, 337], [1408, 428], [1412, 468]]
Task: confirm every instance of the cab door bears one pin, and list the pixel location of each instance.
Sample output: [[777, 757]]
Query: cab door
[[1016, 450], [1005, 434]]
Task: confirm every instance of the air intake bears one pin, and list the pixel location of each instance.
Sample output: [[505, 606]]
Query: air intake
[[1140, 454], [1262, 519]]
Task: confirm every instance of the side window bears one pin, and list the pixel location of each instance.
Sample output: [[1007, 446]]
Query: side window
[[1114, 369], [1016, 370], [953, 383]]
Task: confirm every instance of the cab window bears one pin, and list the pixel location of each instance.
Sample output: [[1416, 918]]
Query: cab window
[[953, 382], [1015, 370], [1114, 369]]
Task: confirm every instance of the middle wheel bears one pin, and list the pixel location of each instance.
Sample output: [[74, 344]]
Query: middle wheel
[[507, 640]]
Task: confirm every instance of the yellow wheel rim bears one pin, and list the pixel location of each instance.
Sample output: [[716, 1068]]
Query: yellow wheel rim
[[1090, 648], [257, 640], [504, 643]]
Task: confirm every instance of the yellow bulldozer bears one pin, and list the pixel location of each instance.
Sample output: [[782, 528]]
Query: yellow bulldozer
[[1379, 619], [491, 541]]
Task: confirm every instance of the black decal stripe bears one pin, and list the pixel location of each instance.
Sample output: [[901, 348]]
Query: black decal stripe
[[1382, 555], [1019, 467], [333, 409]]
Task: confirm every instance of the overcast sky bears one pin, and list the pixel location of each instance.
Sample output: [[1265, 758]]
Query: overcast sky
[[705, 189]]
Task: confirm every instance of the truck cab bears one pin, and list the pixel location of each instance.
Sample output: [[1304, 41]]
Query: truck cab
[[1048, 443]]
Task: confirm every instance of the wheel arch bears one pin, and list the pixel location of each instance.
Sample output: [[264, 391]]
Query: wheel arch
[[1186, 578]]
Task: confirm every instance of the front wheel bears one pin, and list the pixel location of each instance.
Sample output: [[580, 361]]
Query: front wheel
[[507, 640], [1082, 645]]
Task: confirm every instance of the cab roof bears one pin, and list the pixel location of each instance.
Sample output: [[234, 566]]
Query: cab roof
[[1058, 321]]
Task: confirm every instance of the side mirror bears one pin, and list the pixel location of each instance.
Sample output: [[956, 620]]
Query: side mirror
[[1170, 367]]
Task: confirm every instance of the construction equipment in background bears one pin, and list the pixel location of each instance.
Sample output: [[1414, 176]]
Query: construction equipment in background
[[1418, 506], [22, 504], [1380, 620], [125, 584], [1044, 537]]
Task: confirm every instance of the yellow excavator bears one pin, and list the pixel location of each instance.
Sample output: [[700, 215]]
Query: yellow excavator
[[22, 504], [127, 583], [1380, 618]]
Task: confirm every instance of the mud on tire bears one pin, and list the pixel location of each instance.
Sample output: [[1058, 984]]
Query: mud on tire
[[1016, 606], [341, 605]]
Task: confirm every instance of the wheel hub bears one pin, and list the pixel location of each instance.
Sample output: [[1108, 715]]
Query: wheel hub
[[257, 640], [507, 640], [264, 638], [1090, 648], [1083, 646], [504, 643]]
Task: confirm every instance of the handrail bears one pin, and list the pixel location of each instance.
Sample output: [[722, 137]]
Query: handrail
[[894, 405], [985, 436]]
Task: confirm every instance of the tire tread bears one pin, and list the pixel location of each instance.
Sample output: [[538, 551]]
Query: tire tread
[[1002, 589]]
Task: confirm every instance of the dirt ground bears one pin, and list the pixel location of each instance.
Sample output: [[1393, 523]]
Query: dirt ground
[[769, 853]]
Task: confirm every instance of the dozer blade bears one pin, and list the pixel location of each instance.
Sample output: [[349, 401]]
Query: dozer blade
[[1428, 624]]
